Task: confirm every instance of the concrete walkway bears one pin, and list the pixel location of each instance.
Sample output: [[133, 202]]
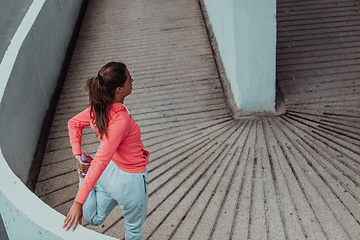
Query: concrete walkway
[[212, 177]]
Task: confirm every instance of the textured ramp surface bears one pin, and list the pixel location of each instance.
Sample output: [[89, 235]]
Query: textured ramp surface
[[212, 177]]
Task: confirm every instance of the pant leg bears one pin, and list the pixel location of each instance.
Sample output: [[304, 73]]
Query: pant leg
[[98, 205], [130, 191]]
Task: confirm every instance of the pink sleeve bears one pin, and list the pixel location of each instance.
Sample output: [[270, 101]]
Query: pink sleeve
[[75, 126], [117, 131]]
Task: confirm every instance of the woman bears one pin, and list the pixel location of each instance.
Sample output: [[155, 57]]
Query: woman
[[119, 166]]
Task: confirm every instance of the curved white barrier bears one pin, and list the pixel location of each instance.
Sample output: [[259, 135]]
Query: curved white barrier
[[27, 217], [29, 70]]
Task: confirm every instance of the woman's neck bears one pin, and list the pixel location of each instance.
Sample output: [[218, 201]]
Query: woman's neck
[[118, 99]]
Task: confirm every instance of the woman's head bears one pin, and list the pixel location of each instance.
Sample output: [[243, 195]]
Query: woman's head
[[106, 88]]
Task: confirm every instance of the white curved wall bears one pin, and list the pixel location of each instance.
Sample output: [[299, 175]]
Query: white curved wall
[[11, 14], [29, 71], [27, 217]]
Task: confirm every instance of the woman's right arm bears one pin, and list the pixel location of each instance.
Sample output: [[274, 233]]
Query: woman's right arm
[[75, 126]]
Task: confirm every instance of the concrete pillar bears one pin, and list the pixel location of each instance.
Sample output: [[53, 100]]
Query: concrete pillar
[[245, 33]]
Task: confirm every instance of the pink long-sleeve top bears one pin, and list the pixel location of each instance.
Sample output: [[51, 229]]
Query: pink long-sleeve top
[[123, 146]]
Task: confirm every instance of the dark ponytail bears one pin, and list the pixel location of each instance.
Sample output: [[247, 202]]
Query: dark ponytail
[[101, 91]]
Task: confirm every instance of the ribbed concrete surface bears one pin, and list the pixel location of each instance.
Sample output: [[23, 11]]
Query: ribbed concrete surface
[[291, 177]]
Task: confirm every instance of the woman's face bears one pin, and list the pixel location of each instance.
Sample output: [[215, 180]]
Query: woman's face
[[126, 89]]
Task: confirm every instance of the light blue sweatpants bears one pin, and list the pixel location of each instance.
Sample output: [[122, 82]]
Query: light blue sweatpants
[[116, 186]]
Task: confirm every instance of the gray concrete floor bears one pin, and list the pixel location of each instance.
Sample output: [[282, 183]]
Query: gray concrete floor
[[295, 176]]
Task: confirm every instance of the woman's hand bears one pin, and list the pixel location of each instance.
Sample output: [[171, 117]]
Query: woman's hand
[[74, 216], [83, 167]]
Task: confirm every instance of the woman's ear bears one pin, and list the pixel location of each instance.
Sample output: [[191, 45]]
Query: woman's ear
[[118, 90]]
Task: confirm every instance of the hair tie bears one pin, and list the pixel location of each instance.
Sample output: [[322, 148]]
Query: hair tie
[[100, 78]]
